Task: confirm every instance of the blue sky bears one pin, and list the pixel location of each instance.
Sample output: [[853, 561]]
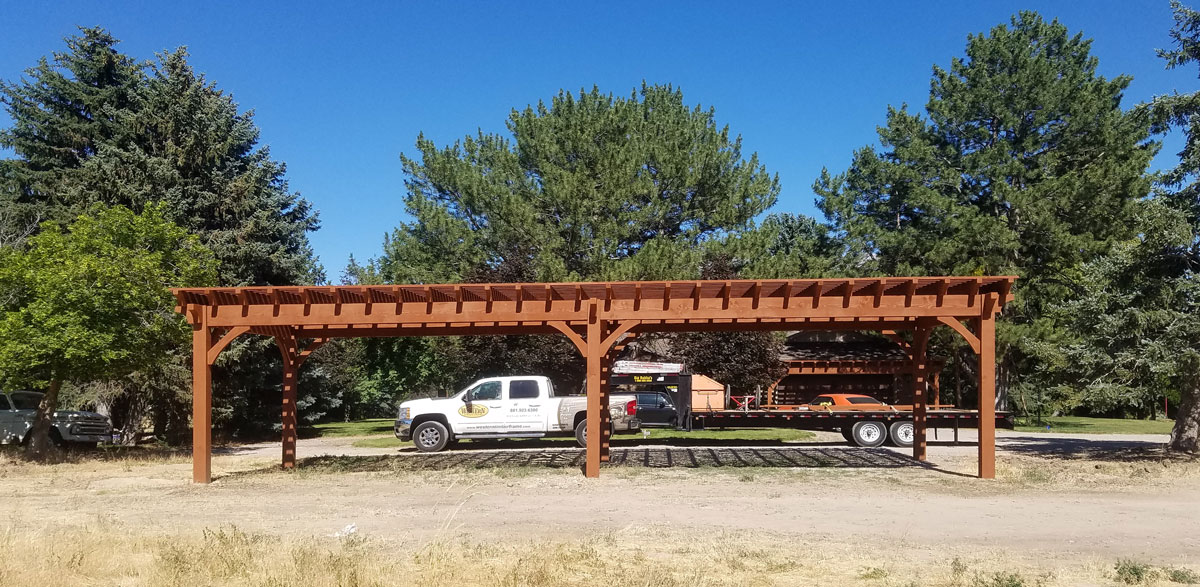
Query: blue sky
[[341, 89]]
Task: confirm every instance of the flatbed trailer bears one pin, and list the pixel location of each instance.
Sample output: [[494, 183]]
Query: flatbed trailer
[[867, 425], [864, 427], [834, 419]]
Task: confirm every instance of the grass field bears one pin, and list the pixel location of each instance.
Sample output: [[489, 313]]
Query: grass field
[[1098, 425], [103, 554], [724, 436], [372, 427]]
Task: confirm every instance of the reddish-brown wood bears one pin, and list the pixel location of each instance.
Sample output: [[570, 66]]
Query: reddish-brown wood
[[987, 390], [595, 403], [917, 359], [594, 316], [201, 400]]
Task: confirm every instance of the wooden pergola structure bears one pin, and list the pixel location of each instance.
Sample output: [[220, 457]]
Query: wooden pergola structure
[[835, 368], [598, 318]]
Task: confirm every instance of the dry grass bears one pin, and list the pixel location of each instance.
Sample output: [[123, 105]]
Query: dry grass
[[123, 459], [104, 554], [1117, 471]]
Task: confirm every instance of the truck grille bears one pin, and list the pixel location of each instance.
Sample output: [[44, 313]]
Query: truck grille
[[91, 428]]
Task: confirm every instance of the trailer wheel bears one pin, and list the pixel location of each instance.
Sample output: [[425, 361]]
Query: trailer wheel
[[902, 433], [430, 436], [869, 434], [847, 435]]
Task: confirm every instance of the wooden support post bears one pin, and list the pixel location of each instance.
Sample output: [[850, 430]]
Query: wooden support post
[[288, 419], [201, 399], [919, 373], [987, 390], [605, 414], [593, 356]]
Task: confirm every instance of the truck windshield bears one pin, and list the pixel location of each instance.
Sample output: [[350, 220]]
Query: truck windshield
[[25, 400]]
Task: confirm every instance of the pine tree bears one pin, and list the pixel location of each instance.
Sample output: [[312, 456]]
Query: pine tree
[[587, 187], [1023, 163], [590, 186]]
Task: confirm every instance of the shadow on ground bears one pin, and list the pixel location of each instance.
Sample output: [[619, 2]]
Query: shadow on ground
[[1116, 450], [641, 457]]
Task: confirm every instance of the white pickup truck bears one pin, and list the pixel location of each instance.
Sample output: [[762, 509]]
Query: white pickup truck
[[505, 407]]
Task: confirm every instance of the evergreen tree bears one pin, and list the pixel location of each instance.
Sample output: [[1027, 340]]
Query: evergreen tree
[[1024, 163], [588, 187], [93, 126], [1137, 322], [65, 109]]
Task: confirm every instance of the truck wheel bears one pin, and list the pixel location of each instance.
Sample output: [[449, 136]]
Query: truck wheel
[[430, 436], [869, 434], [902, 433], [581, 433]]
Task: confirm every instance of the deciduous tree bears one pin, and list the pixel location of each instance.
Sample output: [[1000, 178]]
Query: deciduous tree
[[90, 300]]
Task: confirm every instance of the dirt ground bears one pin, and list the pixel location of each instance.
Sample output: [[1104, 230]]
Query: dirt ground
[[1059, 499]]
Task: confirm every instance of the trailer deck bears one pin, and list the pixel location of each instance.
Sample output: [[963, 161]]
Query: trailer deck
[[830, 419]]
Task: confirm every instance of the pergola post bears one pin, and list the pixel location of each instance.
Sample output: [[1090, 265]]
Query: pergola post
[[987, 390], [293, 358], [919, 373], [288, 413], [595, 403], [201, 399], [605, 415]]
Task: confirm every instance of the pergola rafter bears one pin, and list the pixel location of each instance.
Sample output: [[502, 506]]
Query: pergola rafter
[[596, 316]]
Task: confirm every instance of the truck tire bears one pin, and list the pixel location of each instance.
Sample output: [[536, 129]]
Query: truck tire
[[430, 436], [869, 433], [581, 433], [902, 433]]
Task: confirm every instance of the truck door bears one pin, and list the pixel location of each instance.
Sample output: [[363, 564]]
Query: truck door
[[482, 410], [527, 406], [12, 424]]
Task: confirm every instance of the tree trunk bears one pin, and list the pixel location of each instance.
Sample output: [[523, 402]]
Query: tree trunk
[[40, 446], [1185, 437]]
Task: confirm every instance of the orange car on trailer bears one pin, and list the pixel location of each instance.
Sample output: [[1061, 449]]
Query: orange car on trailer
[[867, 432]]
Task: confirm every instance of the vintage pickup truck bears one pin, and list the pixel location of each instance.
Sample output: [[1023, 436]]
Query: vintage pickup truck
[[17, 409], [505, 407]]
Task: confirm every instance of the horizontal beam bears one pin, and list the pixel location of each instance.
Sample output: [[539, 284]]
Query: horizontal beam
[[559, 311], [691, 302], [604, 291], [523, 328]]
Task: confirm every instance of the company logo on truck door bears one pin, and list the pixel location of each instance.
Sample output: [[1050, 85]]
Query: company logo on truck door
[[473, 410]]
